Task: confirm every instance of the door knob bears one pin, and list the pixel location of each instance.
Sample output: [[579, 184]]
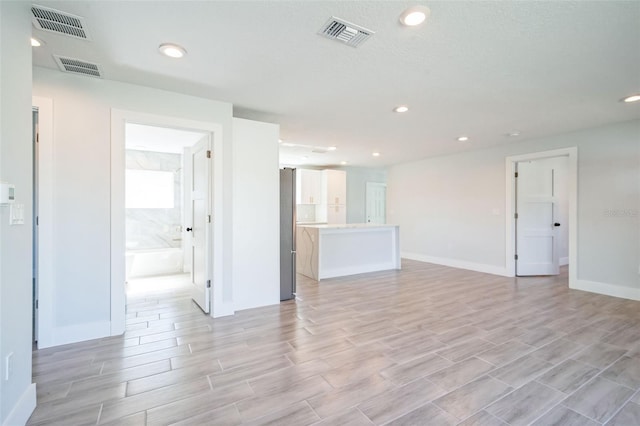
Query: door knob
[[189, 229], [556, 224]]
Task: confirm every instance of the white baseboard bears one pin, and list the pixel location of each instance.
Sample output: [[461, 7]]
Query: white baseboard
[[632, 293], [23, 408], [75, 333], [563, 261], [461, 264]]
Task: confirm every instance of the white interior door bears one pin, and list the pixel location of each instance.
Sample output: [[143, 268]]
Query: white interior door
[[536, 229], [376, 202], [200, 224]]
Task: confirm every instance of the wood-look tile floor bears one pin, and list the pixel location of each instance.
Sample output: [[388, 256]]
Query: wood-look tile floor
[[428, 345]]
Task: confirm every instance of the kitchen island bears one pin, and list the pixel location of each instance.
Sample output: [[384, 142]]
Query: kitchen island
[[327, 251]]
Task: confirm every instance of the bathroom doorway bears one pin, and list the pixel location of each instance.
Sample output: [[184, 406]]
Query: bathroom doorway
[[159, 224]]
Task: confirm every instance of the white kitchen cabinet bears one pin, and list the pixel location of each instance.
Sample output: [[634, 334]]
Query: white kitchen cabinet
[[308, 186], [334, 187], [334, 197], [336, 214]]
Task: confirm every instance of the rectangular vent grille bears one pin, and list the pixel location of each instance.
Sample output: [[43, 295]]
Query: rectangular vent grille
[[345, 32], [55, 21], [76, 66]]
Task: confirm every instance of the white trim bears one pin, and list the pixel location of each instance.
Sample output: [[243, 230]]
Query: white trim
[[23, 409], [572, 154], [455, 263], [80, 332], [118, 120], [606, 289], [46, 214], [563, 261]]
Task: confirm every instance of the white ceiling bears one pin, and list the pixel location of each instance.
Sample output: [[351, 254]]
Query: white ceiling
[[475, 68]]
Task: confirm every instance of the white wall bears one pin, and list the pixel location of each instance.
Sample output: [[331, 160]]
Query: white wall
[[452, 208], [17, 395], [256, 209], [82, 109]]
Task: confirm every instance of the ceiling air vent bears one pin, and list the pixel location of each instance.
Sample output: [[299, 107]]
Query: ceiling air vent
[[55, 21], [77, 66], [345, 32]]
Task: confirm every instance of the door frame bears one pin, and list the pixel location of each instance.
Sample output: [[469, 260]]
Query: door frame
[[46, 255], [119, 119], [510, 207]]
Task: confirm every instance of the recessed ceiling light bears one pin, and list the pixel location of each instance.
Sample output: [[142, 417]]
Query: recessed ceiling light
[[632, 98], [304, 157], [280, 141], [415, 15], [172, 50], [513, 134], [35, 42], [401, 108], [463, 138], [375, 154], [332, 148], [344, 163]]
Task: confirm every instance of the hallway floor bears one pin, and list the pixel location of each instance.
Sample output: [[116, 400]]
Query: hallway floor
[[428, 345]]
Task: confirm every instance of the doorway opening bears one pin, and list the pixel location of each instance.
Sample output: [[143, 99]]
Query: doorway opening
[[165, 236], [541, 215]]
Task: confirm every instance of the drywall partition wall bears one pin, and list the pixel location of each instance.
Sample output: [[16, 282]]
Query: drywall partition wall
[[256, 209], [357, 178], [451, 209], [17, 394], [82, 178]]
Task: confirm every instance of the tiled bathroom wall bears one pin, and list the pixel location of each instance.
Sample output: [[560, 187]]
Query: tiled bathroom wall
[[155, 228]]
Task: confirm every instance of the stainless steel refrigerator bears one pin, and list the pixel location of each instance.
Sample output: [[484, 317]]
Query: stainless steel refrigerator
[[287, 233]]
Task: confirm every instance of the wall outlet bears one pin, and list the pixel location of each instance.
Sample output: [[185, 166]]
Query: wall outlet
[[8, 366]]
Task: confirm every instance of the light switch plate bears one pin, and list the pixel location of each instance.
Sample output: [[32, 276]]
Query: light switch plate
[[16, 214]]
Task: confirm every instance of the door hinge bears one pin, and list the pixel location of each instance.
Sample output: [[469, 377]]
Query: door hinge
[[516, 174], [515, 256], [37, 221], [208, 283], [515, 215], [209, 218], [37, 304], [208, 154]]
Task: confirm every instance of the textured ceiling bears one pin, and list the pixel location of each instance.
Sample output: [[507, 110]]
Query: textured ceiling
[[481, 69]]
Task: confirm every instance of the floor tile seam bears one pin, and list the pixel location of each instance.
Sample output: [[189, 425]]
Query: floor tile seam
[[180, 397], [558, 402], [188, 332], [99, 414], [624, 404], [600, 369], [600, 375], [563, 401], [313, 411], [74, 410], [121, 357], [529, 352]]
